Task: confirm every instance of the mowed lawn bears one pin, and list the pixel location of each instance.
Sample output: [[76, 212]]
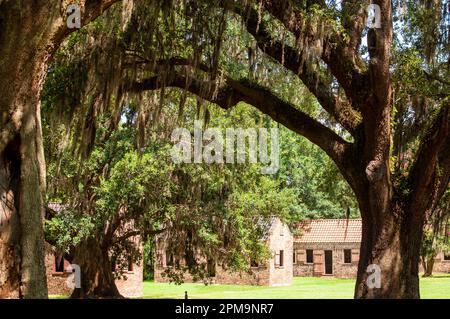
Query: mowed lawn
[[303, 288]]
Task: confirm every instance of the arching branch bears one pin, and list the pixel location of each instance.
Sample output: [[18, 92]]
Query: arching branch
[[232, 92], [94, 8], [90, 10]]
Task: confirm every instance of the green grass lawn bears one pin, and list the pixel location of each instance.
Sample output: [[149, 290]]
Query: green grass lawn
[[302, 288]]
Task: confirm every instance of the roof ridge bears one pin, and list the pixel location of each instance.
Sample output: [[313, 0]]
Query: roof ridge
[[331, 230]]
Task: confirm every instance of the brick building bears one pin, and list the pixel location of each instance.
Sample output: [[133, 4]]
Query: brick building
[[441, 263], [330, 247], [277, 271], [327, 247]]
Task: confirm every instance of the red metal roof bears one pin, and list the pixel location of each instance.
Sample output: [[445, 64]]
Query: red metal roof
[[329, 231]]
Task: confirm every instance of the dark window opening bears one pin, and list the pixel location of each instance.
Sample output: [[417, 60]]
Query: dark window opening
[[113, 264], [347, 256], [211, 268], [169, 258], [446, 257], [130, 263], [281, 258], [328, 262], [59, 263], [253, 263], [294, 257], [309, 256]]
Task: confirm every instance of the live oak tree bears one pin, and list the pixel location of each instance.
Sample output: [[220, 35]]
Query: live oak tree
[[106, 202], [30, 33]]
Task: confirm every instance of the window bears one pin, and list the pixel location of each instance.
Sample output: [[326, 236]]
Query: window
[[279, 258], [294, 259], [59, 263], [211, 267], [253, 263], [347, 256], [130, 263], [309, 256], [447, 256], [169, 258], [113, 263]]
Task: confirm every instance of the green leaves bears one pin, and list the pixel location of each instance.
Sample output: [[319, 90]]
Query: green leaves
[[68, 228], [137, 179]]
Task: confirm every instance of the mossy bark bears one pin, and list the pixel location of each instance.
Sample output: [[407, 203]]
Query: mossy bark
[[30, 32], [97, 278]]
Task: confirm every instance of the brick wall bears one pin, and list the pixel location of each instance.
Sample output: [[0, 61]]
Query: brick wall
[[340, 269], [131, 287], [56, 281], [441, 265], [281, 239], [256, 276]]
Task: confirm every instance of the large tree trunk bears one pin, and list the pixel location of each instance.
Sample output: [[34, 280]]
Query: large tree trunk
[[21, 214], [97, 279], [391, 240], [22, 182], [9, 221], [30, 32], [391, 227], [22, 169]]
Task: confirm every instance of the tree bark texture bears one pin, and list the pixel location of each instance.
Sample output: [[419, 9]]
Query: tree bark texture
[[30, 32], [97, 278]]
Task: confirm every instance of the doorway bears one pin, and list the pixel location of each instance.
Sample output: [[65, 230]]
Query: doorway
[[328, 262]]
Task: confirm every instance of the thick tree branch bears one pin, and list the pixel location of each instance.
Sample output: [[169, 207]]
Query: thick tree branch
[[379, 42], [90, 10], [353, 16], [430, 174], [232, 92], [134, 233], [125, 236], [94, 8]]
